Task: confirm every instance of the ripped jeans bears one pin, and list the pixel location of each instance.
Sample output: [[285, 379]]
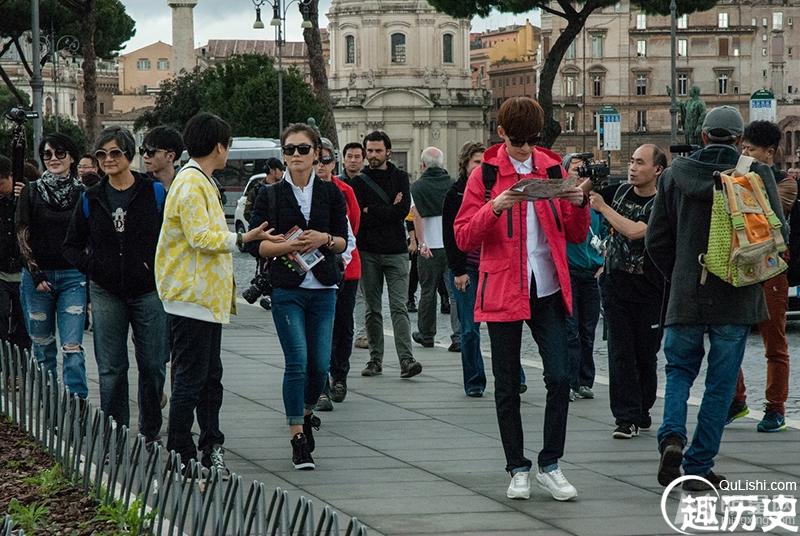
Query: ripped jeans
[[65, 307]]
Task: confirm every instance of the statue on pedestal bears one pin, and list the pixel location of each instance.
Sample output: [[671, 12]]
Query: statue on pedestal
[[693, 112]]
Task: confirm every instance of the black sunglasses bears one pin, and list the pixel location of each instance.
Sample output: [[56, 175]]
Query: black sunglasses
[[148, 151], [60, 154], [533, 140], [325, 160], [303, 149], [102, 154]]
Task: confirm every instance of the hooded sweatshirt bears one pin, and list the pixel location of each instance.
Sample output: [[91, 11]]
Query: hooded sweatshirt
[[678, 234]]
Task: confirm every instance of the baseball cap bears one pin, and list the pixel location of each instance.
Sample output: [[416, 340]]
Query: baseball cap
[[274, 163], [723, 123]]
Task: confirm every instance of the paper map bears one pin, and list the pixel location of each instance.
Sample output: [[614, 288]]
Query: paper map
[[544, 188]]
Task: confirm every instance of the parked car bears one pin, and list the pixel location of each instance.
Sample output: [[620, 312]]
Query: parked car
[[239, 222]]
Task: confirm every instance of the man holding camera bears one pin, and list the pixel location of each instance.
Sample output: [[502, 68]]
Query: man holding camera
[[12, 322], [632, 292]]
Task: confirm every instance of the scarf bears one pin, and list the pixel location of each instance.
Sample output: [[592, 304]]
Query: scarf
[[429, 191], [58, 192]]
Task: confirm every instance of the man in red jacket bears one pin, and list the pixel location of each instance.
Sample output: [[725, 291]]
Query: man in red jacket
[[523, 277]]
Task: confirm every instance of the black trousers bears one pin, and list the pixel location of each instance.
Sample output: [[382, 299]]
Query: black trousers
[[634, 337], [196, 385], [12, 319], [343, 322], [548, 327]]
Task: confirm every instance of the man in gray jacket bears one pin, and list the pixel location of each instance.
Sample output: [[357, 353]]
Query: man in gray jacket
[[676, 236]]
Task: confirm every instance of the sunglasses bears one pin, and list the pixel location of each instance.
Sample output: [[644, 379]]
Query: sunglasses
[[59, 154], [149, 152], [325, 160], [290, 149], [114, 154], [533, 140]]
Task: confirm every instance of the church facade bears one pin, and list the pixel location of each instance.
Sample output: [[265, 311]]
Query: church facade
[[401, 67]]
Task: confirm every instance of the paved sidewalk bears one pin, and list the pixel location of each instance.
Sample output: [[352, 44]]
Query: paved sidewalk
[[418, 457]]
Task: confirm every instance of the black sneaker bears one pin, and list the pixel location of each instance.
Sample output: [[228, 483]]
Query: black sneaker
[[417, 336], [301, 455], [411, 306], [645, 422], [338, 391], [669, 468], [310, 423], [215, 457], [737, 410], [445, 308], [323, 403], [697, 485], [410, 367], [625, 431], [373, 368], [454, 347]]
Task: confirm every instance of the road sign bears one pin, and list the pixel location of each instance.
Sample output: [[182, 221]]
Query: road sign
[[612, 131], [763, 106]]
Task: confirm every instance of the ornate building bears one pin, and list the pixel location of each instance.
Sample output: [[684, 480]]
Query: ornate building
[[401, 67]]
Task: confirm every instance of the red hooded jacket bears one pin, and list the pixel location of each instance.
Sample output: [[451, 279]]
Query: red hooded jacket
[[503, 294]]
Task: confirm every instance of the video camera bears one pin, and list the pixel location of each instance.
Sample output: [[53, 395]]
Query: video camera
[[596, 171], [20, 116]]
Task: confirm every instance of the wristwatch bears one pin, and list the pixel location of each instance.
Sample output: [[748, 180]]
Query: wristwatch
[[239, 240], [330, 243]]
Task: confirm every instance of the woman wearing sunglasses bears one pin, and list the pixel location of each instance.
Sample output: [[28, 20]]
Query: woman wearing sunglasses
[[112, 239], [303, 302], [524, 278], [53, 292]]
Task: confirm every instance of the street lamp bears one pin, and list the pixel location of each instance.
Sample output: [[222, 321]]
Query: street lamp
[[673, 105], [67, 44], [279, 10]]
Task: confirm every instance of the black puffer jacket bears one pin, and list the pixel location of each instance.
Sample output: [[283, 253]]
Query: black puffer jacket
[[10, 260]]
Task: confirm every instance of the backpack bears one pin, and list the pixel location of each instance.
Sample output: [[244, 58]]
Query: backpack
[[158, 190], [744, 237], [793, 273]]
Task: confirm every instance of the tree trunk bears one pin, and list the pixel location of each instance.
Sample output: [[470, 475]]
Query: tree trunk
[[319, 76], [89, 71]]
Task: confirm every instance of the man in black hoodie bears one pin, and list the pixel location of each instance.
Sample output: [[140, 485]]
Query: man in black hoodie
[[677, 235], [382, 191], [12, 322]]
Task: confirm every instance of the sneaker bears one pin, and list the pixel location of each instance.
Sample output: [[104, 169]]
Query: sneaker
[[520, 486], [556, 484], [301, 455], [772, 422], [584, 391], [417, 336], [324, 403], [454, 347], [310, 423], [669, 467], [625, 431], [697, 485], [445, 308], [215, 457], [737, 411], [372, 369], [410, 367], [573, 395], [338, 391], [411, 306], [645, 422], [163, 400], [475, 393], [362, 342]]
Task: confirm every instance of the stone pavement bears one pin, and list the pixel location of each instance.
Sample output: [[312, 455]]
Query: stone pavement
[[418, 457]]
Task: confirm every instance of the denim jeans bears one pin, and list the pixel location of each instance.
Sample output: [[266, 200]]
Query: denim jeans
[[471, 358], [582, 325], [684, 348], [196, 385], [455, 320], [304, 322], [65, 307], [547, 325], [112, 318], [343, 330]]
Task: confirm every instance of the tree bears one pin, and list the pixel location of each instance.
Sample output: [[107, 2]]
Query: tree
[[575, 18], [319, 76], [242, 90]]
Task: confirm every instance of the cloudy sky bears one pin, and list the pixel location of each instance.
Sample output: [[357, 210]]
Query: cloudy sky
[[233, 19]]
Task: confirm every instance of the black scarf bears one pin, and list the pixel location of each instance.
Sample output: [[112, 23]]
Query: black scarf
[[58, 192]]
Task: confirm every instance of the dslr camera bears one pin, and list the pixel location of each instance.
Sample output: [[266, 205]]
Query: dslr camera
[[259, 286], [596, 171]]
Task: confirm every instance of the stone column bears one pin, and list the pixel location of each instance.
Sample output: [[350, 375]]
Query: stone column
[[183, 57]]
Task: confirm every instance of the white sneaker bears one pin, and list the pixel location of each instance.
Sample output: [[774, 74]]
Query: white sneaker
[[556, 484], [520, 487]]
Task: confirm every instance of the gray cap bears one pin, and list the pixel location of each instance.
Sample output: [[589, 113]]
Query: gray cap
[[326, 144], [723, 123]]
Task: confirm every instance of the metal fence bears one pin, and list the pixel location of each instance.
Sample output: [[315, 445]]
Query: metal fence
[[113, 464]]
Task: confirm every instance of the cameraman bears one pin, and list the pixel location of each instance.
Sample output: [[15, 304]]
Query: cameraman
[[632, 292], [12, 321]]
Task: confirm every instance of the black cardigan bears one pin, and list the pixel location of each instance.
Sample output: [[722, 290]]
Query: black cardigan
[[456, 259]]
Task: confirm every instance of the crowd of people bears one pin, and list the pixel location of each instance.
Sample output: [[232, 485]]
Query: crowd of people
[[151, 253]]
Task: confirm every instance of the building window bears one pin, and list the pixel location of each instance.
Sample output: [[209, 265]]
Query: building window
[[641, 21], [447, 48], [597, 46], [764, 38], [398, 48], [569, 122], [683, 84], [163, 64], [350, 49], [754, 22], [641, 84], [722, 48], [102, 108], [597, 85], [735, 44], [569, 85], [641, 48], [777, 21], [683, 22], [763, 51], [722, 84], [570, 53], [143, 64], [764, 22], [722, 20], [683, 48], [789, 51], [641, 120]]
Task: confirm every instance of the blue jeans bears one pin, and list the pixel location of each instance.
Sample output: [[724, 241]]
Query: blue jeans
[[304, 322], [146, 317], [683, 346], [581, 326], [65, 307]]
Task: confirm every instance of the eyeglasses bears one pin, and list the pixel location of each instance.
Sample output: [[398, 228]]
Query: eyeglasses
[[59, 154], [533, 140], [290, 149], [325, 160], [149, 152], [114, 154]]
